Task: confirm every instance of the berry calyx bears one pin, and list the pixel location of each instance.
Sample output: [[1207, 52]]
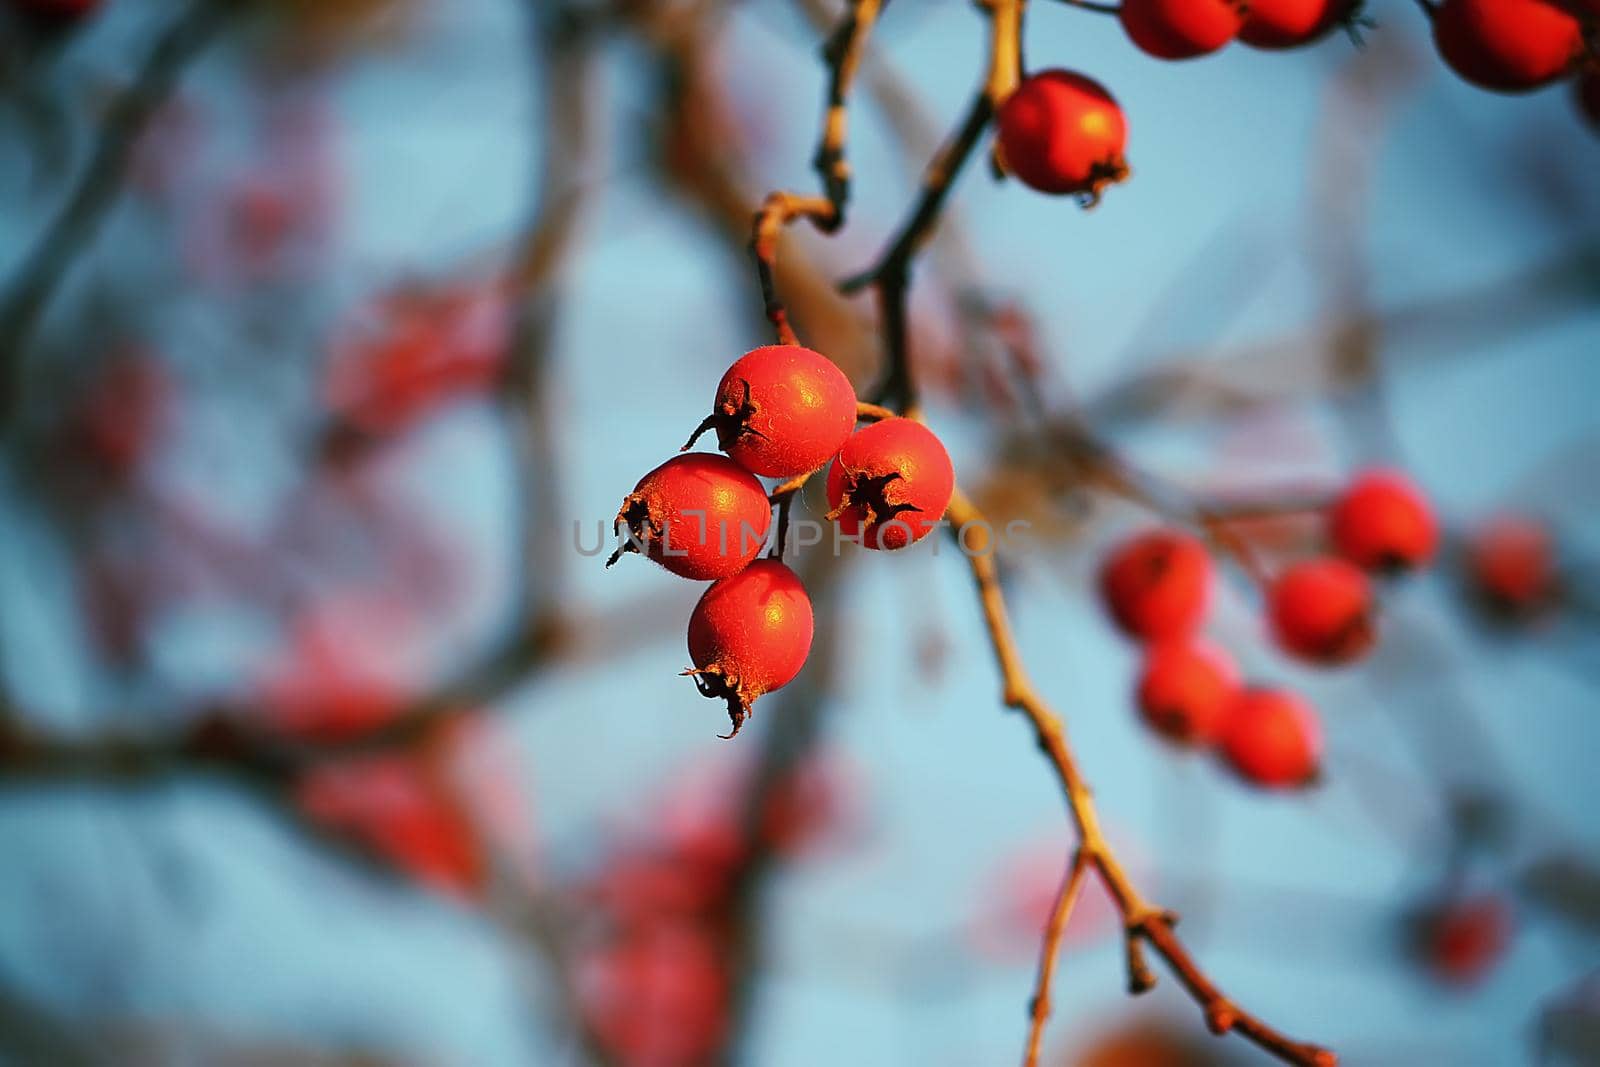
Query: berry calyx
[[1321, 610], [1063, 133], [749, 634], [1508, 46], [1273, 739], [1186, 689], [781, 410], [1181, 29], [890, 484], [1157, 585], [698, 515], [1277, 24], [1382, 522], [1511, 563]]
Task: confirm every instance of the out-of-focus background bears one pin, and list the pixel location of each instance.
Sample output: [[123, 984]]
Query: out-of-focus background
[[333, 331]]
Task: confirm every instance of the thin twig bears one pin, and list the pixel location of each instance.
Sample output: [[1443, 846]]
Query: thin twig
[[79, 219], [1050, 951]]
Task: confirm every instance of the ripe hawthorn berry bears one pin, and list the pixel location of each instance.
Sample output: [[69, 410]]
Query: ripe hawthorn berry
[[1061, 132], [1181, 29], [1382, 522], [1321, 610], [1186, 689], [1506, 45], [1273, 739], [1511, 563], [890, 484], [1157, 585], [698, 515], [748, 635], [1292, 23], [781, 410]]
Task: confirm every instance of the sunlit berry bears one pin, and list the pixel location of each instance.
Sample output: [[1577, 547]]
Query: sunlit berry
[[1061, 132], [781, 410], [1506, 45], [698, 515], [1181, 29], [890, 484], [750, 634]]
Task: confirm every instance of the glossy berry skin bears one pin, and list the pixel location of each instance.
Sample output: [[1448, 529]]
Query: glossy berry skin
[[1186, 689], [1382, 522], [1506, 45], [700, 516], [1277, 24], [890, 484], [1273, 739], [1061, 133], [1157, 585], [1321, 611], [750, 634], [1511, 563], [1181, 29], [781, 410]]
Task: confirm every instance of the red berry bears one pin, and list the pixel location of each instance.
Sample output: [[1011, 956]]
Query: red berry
[[1157, 585], [1512, 564], [1273, 739], [1181, 29], [890, 484], [1186, 690], [750, 634], [781, 410], [1383, 523], [1061, 132], [658, 996], [698, 515], [1291, 23], [1506, 45], [1321, 610], [1586, 90], [1462, 938]]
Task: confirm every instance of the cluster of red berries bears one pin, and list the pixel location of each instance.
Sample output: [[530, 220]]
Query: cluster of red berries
[[1062, 132], [781, 411], [1157, 587]]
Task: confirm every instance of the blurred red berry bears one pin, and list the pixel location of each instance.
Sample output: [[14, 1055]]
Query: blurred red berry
[[1061, 132], [700, 516], [1292, 23], [112, 426], [1511, 563], [890, 484], [400, 807], [750, 634], [58, 12], [1181, 29], [1186, 690], [1321, 610], [781, 410], [1462, 938], [1273, 739], [414, 351], [658, 996], [1382, 522], [1157, 585], [1506, 45]]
